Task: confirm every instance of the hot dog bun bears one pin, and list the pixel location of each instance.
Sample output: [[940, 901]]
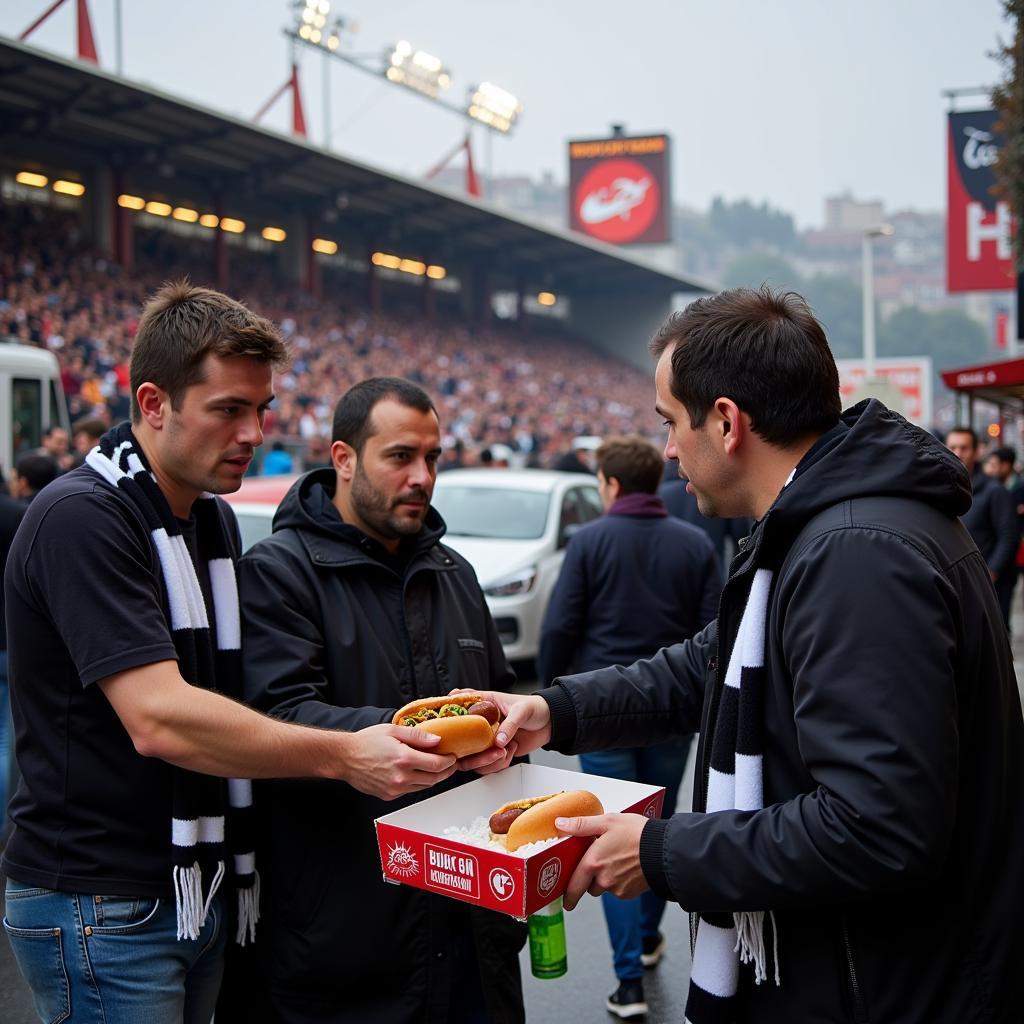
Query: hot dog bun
[[461, 735], [538, 822]]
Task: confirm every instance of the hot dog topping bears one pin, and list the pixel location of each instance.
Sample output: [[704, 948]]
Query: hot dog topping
[[501, 820], [484, 708]]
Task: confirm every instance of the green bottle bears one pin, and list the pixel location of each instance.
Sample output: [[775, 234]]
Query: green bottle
[[547, 941]]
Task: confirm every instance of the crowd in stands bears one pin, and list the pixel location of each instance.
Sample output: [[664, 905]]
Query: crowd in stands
[[497, 388]]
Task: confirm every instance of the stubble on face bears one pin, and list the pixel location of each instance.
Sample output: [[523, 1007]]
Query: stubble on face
[[380, 513]]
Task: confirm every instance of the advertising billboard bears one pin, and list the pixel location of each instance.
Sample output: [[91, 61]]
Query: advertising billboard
[[910, 378], [979, 227], [619, 189]]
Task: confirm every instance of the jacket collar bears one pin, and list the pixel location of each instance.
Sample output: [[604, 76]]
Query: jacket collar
[[638, 504]]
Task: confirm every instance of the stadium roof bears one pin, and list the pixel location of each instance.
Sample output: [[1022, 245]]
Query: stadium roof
[[56, 108]]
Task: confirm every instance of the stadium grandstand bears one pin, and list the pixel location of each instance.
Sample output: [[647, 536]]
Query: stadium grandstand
[[526, 336]]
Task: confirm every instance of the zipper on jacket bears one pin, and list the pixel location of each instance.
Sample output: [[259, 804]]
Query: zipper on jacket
[[859, 1011]]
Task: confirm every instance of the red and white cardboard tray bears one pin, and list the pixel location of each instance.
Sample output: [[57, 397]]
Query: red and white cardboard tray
[[415, 851]]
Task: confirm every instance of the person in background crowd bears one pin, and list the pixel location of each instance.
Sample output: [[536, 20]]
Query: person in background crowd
[[278, 461], [123, 636], [31, 474], [991, 519], [352, 608], [85, 435], [999, 463], [725, 534], [857, 837], [56, 444], [632, 582]]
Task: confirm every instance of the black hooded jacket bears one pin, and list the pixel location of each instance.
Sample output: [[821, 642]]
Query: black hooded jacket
[[891, 843], [339, 635]]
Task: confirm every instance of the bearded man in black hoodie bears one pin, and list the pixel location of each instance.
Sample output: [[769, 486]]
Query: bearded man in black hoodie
[[855, 847], [350, 609]]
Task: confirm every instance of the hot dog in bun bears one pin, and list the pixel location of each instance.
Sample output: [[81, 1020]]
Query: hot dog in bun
[[533, 819], [465, 722]]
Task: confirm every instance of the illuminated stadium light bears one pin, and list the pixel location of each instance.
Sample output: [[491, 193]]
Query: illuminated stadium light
[[494, 107], [436, 273], [274, 234], [547, 299], [325, 245], [209, 220], [31, 178], [235, 227], [158, 209], [185, 214], [412, 267], [69, 188], [385, 259], [131, 202], [416, 70]]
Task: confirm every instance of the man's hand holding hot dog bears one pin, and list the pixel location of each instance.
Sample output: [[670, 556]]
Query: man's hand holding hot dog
[[612, 862], [389, 761], [525, 726]]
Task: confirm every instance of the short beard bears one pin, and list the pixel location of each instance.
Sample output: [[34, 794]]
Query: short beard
[[374, 509]]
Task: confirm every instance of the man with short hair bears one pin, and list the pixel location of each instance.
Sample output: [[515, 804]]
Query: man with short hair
[[991, 520], [352, 608], [122, 614], [1000, 463], [631, 582], [855, 847]]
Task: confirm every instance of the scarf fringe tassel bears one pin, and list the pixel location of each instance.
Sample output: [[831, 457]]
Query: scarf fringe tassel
[[750, 944], [248, 912], [188, 895]]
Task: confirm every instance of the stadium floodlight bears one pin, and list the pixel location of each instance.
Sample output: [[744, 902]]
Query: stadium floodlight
[[209, 220], [436, 273], [547, 298], [31, 178], [494, 107], [158, 209], [412, 267], [183, 213], [131, 202], [272, 234], [231, 225], [69, 188], [416, 70], [325, 246]]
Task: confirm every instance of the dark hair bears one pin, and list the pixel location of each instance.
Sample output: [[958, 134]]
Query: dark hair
[[36, 470], [1004, 455], [182, 324], [762, 349], [633, 461], [352, 413], [91, 425], [964, 430]]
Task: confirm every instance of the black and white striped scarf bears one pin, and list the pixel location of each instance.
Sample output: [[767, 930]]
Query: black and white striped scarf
[[724, 941], [210, 659]]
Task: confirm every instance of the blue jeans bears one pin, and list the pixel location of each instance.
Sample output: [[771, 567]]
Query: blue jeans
[[631, 921], [113, 959]]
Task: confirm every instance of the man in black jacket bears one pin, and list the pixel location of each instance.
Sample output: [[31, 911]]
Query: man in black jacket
[[991, 520], [632, 582], [352, 608], [855, 849]]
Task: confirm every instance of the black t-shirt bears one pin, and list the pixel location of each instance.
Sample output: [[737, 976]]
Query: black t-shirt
[[83, 594]]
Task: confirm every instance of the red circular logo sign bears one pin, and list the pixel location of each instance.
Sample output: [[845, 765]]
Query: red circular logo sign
[[617, 201]]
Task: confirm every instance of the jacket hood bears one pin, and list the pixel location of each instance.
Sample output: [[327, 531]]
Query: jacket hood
[[308, 507], [873, 452]]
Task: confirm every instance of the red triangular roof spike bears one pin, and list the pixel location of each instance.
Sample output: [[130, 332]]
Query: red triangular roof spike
[[86, 40], [298, 118], [472, 181]]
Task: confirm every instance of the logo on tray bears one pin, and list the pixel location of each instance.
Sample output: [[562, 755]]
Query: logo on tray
[[650, 811], [550, 872], [402, 861], [502, 883]]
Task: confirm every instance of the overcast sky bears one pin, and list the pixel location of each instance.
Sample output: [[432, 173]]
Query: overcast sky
[[787, 101]]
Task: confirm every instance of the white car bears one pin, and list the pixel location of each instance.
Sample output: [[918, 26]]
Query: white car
[[512, 526]]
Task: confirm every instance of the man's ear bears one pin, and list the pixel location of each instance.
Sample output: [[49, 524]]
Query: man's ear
[[154, 404], [344, 459], [732, 423]]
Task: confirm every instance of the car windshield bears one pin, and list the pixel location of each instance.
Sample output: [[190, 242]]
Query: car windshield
[[494, 512]]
